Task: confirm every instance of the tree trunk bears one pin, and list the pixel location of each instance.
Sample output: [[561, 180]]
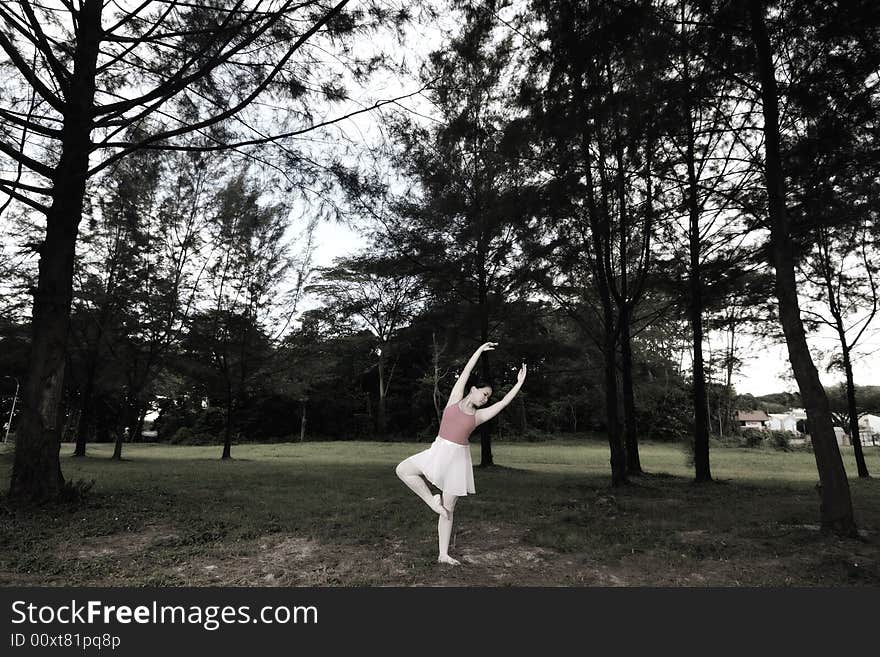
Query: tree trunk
[[85, 415], [609, 351], [120, 431], [139, 427], [728, 381], [701, 416], [227, 433], [836, 510], [436, 392], [129, 425], [853, 412], [380, 416], [302, 422], [486, 459], [702, 472], [70, 420], [36, 470], [624, 306], [600, 235], [633, 463]]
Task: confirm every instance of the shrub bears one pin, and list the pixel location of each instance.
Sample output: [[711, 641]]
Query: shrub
[[727, 440], [171, 418], [753, 437], [780, 440], [211, 420]]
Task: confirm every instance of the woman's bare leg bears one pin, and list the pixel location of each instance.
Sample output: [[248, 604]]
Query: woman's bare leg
[[412, 477], [444, 530]]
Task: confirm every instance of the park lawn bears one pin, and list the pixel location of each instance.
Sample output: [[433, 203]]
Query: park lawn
[[334, 514]]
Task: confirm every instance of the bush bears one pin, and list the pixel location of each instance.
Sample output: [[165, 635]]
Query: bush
[[211, 420], [186, 436], [182, 436], [173, 417], [753, 437], [780, 440], [726, 440]]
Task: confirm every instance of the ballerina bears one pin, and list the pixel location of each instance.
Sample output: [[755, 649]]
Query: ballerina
[[447, 462]]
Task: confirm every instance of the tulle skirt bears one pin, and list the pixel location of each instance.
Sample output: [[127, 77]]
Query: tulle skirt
[[448, 466]]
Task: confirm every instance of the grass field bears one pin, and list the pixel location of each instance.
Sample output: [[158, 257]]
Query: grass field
[[334, 514]]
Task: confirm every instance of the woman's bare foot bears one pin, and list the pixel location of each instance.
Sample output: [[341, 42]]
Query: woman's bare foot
[[445, 558], [439, 508]]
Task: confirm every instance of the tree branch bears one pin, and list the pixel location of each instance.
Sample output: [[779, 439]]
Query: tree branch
[[29, 75], [148, 143], [30, 163], [62, 75], [179, 81], [24, 199]]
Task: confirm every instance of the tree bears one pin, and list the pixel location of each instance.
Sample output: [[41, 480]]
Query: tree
[[305, 363], [708, 165], [836, 508], [591, 93], [372, 289], [460, 222], [831, 157], [128, 284], [171, 69], [237, 334], [845, 281]]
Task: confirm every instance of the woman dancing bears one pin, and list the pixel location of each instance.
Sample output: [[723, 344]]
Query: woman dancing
[[447, 463]]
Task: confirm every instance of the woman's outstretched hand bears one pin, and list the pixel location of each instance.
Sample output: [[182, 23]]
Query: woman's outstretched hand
[[521, 375], [489, 346]]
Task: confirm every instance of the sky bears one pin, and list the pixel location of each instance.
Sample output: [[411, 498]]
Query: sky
[[767, 370]]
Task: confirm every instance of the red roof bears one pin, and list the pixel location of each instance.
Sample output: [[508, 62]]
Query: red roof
[[752, 416]]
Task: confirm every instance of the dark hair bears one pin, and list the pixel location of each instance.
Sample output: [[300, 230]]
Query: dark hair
[[479, 383]]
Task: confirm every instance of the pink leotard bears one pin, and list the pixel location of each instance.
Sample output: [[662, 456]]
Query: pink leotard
[[456, 425]]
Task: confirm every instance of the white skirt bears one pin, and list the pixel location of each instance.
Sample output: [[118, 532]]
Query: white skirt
[[448, 466]]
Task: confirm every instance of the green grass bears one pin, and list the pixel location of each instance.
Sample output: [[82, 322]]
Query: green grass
[[335, 514]]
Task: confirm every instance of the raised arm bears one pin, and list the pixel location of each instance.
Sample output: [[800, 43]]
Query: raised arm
[[486, 414], [458, 389]]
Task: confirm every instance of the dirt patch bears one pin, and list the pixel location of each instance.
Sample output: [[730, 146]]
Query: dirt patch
[[123, 544], [9, 578], [693, 536], [495, 554], [270, 560], [489, 555], [498, 546]]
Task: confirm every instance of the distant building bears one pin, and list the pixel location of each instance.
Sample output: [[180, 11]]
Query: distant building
[[795, 422], [783, 422], [869, 429], [752, 419]]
